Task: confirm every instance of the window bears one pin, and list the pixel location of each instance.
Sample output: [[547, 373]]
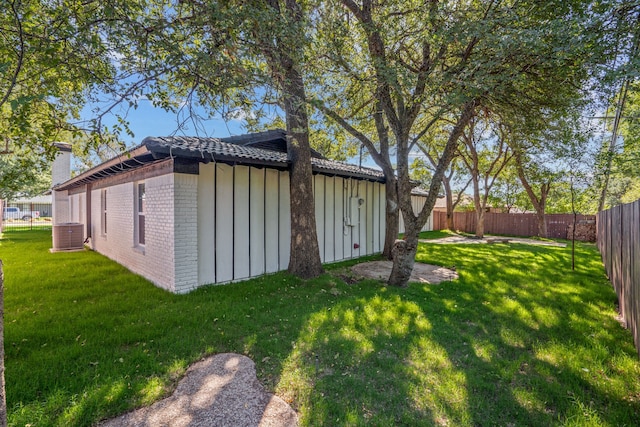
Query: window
[[140, 213], [103, 211]]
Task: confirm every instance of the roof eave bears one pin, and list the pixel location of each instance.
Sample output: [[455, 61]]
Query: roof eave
[[206, 156]]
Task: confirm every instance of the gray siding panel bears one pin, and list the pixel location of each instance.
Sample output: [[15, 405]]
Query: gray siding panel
[[257, 221], [272, 219], [224, 223], [241, 228]]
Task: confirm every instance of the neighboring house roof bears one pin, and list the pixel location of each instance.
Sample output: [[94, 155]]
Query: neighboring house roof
[[264, 149], [43, 198]]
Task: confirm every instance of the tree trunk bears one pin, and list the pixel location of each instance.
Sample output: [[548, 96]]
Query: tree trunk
[[404, 255], [539, 204], [392, 214], [3, 395], [476, 201], [304, 260], [542, 224], [480, 223], [448, 194]]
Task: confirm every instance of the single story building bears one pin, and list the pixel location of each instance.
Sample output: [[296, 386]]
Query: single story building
[[189, 211]]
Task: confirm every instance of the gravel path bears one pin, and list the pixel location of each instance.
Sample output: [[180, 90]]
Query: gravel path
[[221, 390], [489, 239]]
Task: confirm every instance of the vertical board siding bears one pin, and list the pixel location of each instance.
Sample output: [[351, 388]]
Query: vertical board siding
[[417, 202], [383, 215], [241, 223], [284, 229], [360, 232], [348, 230], [329, 220], [338, 218], [318, 191], [272, 214], [245, 221], [206, 224], [369, 215], [257, 221], [618, 239], [362, 211], [376, 218], [224, 223]]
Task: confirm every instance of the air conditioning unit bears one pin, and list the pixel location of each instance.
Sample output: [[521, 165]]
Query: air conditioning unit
[[68, 236]]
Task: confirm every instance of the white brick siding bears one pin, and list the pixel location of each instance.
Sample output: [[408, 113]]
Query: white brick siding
[[185, 222], [156, 260], [60, 207], [61, 168]]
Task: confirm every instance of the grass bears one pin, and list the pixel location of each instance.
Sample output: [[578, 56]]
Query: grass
[[436, 234], [432, 235], [518, 339]]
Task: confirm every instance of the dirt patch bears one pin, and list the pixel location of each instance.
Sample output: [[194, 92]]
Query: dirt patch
[[422, 273]]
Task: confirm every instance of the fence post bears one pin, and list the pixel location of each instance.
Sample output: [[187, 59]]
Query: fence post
[[3, 395]]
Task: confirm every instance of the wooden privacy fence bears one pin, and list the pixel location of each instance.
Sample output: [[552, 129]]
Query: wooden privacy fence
[[618, 231], [511, 224]]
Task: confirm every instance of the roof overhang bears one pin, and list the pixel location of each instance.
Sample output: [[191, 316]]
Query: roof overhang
[[238, 150]]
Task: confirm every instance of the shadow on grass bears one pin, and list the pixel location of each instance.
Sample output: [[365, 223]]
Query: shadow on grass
[[85, 339], [518, 339]]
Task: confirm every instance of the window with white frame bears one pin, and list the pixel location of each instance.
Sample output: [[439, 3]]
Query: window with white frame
[[140, 212], [103, 211]]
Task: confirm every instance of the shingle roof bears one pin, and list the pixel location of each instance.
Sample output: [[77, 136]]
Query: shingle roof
[[275, 140], [247, 149], [213, 149]]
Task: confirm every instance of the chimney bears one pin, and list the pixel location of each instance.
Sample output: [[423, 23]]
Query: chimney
[[61, 168], [60, 172]]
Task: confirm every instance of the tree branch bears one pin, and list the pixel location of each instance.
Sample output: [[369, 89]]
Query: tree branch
[[20, 52]]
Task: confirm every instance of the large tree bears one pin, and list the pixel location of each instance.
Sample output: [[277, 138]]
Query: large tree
[[50, 54], [227, 55], [619, 84], [284, 55], [485, 153], [23, 175], [394, 69], [455, 180]]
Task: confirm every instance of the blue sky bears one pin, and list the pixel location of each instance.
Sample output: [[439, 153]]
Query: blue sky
[[148, 120]]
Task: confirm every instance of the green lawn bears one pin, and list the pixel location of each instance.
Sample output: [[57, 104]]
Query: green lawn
[[519, 339]]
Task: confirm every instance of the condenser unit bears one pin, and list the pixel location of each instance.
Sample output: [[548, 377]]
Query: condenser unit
[[68, 236]]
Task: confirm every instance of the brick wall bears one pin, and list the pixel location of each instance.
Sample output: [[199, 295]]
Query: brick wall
[[185, 222], [61, 168], [156, 260], [60, 207]]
